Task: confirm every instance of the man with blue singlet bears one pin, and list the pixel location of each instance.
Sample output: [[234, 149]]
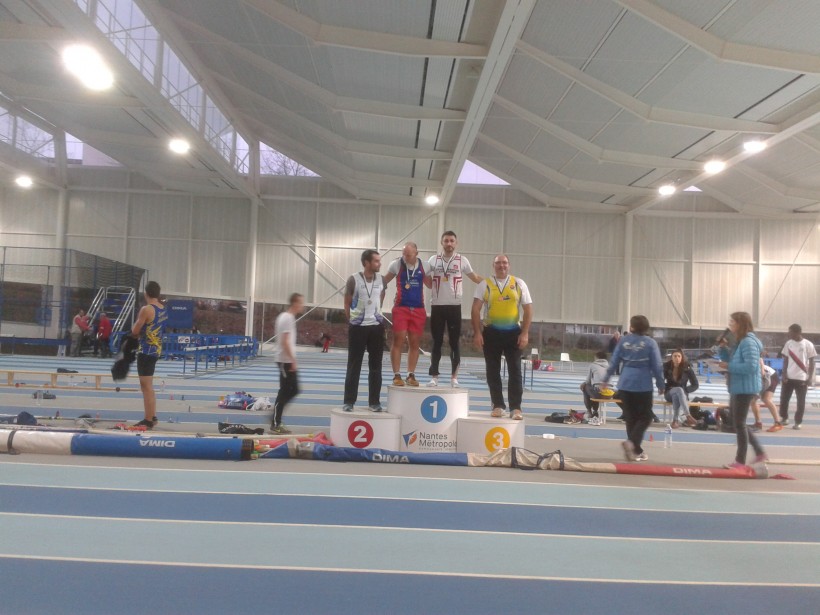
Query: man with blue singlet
[[148, 330]]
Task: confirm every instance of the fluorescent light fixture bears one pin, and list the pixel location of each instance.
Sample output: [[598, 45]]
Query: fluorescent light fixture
[[432, 199], [754, 146], [24, 181], [179, 146], [714, 166], [88, 66], [666, 190], [692, 189]]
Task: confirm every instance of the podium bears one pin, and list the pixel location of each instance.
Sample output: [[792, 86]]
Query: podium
[[485, 435], [429, 416], [364, 429]]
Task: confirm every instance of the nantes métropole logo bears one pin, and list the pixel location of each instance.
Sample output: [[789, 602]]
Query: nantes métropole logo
[[410, 438]]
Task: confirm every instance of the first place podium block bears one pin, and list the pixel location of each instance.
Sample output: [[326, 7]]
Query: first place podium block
[[365, 429], [428, 416]]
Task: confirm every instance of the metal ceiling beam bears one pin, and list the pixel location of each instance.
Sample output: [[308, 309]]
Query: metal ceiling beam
[[80, 98], [562, 180], [597, 152], [550, 201], [640, 109], [308, 88], [511, 24], [719, 48], [380, 42], [24, 32], [328, 136]]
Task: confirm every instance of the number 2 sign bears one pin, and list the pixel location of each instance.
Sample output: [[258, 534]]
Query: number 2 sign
[[360, 434]]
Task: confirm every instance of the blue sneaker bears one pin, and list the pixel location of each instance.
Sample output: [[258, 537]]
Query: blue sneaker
[[375, 408], [348, 407]]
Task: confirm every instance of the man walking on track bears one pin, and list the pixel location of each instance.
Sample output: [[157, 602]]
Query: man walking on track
[[285, 356], [445, 276]]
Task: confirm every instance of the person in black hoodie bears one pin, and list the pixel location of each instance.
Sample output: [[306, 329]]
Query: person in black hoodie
[[680, 380]]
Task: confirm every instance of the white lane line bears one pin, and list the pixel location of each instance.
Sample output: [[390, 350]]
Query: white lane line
[[400, 529], [409, 572], [419, 499]]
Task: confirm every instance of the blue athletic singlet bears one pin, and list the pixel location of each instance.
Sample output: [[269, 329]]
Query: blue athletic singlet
[[152, 332]]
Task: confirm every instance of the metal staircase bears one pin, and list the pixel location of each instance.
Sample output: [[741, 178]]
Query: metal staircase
[[118, 303]]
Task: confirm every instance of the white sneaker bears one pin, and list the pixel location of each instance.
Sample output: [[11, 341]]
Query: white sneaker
[[454, 382], [433, 382]]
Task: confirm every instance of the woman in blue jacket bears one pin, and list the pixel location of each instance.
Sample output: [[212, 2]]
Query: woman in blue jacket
[[742, 362], [639, 359]]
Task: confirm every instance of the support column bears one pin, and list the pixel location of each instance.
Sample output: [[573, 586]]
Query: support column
[[626, 299]]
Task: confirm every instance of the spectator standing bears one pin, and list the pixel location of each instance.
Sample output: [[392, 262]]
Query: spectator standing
[[798, 372], [770, 380], [639, 358], [742, 363], [79, 327], [104, 336]]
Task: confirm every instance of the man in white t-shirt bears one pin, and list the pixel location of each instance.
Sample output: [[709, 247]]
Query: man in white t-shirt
[[445, 277], [284, 354], [798, 372]]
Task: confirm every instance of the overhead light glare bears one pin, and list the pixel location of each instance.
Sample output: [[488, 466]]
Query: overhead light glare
[[24, 181], [692, 189], [179, 146], [754, 146], [88, 66], [714, 166], [432, 199], [666, 190]]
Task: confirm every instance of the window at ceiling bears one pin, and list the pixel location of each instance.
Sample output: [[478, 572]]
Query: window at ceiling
[[180, 87], [273, 162], [471, 173], [6, 126], [218, 130], [80, 153], [33, 140], [127, 27], [243, 152]]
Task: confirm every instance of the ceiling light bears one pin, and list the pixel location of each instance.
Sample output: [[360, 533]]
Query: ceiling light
[[179, 146], [88, 66], [431, 199], [666, 190], [24, 181], [754, 146], [714, 166]]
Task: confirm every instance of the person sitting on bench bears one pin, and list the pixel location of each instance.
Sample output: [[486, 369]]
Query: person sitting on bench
[[680, 381], [589, 387]]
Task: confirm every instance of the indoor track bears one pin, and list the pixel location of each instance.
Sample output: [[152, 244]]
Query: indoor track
[[114, 535]]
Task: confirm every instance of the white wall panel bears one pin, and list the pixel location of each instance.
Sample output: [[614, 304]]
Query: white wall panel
[[594, 235], [718, 290], [398, 225], [342, 225], [107, 247], [662, 238], [280, 271], [165, 259], [154, 215], [224, 219], [533, 232], [787, 295], [289, 222], [98, 177], [592, 289], [543, 277], [659, 292], [480, 232], [335, 266], [30, 212], [218, 268], [97, 213], [723, 240], [783, 241]]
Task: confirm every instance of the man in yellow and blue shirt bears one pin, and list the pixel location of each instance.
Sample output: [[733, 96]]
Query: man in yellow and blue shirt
[[508, 313]]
